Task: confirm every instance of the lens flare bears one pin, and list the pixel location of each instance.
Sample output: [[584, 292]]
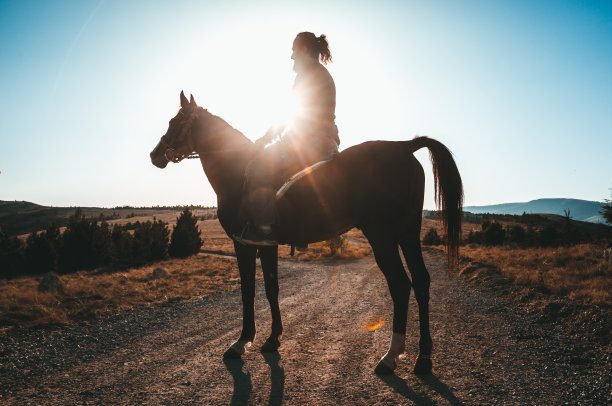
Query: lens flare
[[373, 325]]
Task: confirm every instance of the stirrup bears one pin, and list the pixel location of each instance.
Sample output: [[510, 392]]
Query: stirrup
[[254, 236]]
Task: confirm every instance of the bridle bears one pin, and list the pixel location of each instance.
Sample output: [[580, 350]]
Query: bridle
[[186, 132]]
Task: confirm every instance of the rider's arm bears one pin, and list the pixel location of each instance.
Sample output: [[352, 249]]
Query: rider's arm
[[272, 133]]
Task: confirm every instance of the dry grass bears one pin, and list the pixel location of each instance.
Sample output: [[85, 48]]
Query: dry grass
[[216, 240], [86, 293], [437, 224], [578, 273]]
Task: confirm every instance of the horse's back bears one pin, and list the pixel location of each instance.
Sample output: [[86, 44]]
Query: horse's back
[[373, 182]]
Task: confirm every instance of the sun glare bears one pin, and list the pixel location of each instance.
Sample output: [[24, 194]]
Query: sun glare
[[248, 80]]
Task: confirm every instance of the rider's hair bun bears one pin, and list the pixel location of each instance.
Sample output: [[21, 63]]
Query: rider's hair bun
[[317, 46]]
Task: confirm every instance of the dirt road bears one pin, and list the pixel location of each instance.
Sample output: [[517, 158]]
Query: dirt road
[[486, 350]]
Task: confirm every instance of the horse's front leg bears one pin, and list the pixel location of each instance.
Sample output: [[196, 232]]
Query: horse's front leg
[[246, 265], [269, 265]]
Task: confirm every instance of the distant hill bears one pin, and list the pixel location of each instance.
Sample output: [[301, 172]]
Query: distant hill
[[583, 210], [21, 217]]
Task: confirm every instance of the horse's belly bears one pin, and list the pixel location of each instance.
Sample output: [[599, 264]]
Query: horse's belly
[[313, 210]]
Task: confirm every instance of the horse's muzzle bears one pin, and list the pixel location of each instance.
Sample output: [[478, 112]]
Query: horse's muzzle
[[158, 160]]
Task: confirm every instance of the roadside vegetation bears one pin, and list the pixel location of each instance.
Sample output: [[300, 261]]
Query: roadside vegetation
[[85, 294], [578, 272], [91, 267], [104, 266], [87, 243], [532, 255]]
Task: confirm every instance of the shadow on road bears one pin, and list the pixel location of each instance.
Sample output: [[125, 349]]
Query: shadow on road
[[242, 381], [400, 386], [434, 383], [277, 377]]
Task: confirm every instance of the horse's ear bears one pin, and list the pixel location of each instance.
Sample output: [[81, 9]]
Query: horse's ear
[[184, 102], [192, 101]]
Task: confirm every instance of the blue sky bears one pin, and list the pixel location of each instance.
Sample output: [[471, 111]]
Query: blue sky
[[518, 90]]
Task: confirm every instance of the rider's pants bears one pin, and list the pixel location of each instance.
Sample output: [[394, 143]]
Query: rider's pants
[[274, 165]]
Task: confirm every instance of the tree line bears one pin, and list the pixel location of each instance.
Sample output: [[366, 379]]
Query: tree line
[[493, 233], [88, 243]]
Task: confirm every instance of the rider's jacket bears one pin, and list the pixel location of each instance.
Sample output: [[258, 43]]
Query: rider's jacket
[[315, 115]]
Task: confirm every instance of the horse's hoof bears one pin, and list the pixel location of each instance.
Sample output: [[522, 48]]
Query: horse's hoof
[[422, 366], [270, 346], [383, 368], [232, 353]]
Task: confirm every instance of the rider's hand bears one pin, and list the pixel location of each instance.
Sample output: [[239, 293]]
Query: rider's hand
[[272, 133]]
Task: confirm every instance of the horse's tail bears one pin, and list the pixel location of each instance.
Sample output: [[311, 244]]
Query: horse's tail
[[448, 192]]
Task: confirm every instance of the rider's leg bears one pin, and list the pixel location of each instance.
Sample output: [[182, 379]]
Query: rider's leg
[[260, 189]]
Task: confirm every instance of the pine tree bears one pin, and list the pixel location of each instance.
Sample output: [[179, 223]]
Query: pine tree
[[185, 240], [606, 211], [432, 238], [11, 256]]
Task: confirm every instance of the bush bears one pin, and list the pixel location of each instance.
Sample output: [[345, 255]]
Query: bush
[[516, 234], [40, 253], [493, 234], [547, 236], [432, 238], [150, 242], [122, 243], [185, 239], [474, 237], [11, 256], [337, 244], [78, 249]]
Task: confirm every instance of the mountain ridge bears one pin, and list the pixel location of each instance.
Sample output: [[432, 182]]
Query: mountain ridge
[[583, 210]]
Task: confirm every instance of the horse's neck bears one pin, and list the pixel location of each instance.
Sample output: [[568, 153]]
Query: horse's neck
[[224, 153]]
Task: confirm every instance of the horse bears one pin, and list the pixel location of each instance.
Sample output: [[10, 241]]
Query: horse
[[376, 186]]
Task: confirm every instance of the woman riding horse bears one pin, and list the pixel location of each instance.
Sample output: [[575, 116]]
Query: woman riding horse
[[376, 186], [312, 136]]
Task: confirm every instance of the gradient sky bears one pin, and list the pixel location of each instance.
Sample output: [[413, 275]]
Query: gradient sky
[[520, 91]]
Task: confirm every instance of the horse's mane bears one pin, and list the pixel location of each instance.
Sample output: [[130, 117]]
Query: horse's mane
[[222, 128]]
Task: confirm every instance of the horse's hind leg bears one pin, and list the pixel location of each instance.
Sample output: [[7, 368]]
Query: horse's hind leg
[[246, 265], [420, 283], [269, 265], [388, 259]]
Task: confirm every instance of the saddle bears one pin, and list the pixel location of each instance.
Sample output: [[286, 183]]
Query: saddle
[[294, 178]]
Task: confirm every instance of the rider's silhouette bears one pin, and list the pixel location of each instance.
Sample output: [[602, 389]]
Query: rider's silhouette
[[312, 136]]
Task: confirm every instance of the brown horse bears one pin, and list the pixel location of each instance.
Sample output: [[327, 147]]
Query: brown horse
[[376, 186]]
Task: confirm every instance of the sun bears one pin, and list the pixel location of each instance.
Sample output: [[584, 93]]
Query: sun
[[246, 82]]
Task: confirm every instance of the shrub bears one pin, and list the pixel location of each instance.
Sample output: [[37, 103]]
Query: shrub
[[160, 240], [122, 242], [493, 234], [531, 237], [336, 245], [84, 244], [102, 245], [150, 242], [432, 238], [516, 234], [185, 239], [547, 236], [11, 256], [40, 253], [474, 237], [77, 248]]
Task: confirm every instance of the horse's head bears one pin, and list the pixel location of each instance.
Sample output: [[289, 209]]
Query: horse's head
[[177, 143]]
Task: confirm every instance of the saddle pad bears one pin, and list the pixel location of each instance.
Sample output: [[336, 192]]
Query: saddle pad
[[283, 189]]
